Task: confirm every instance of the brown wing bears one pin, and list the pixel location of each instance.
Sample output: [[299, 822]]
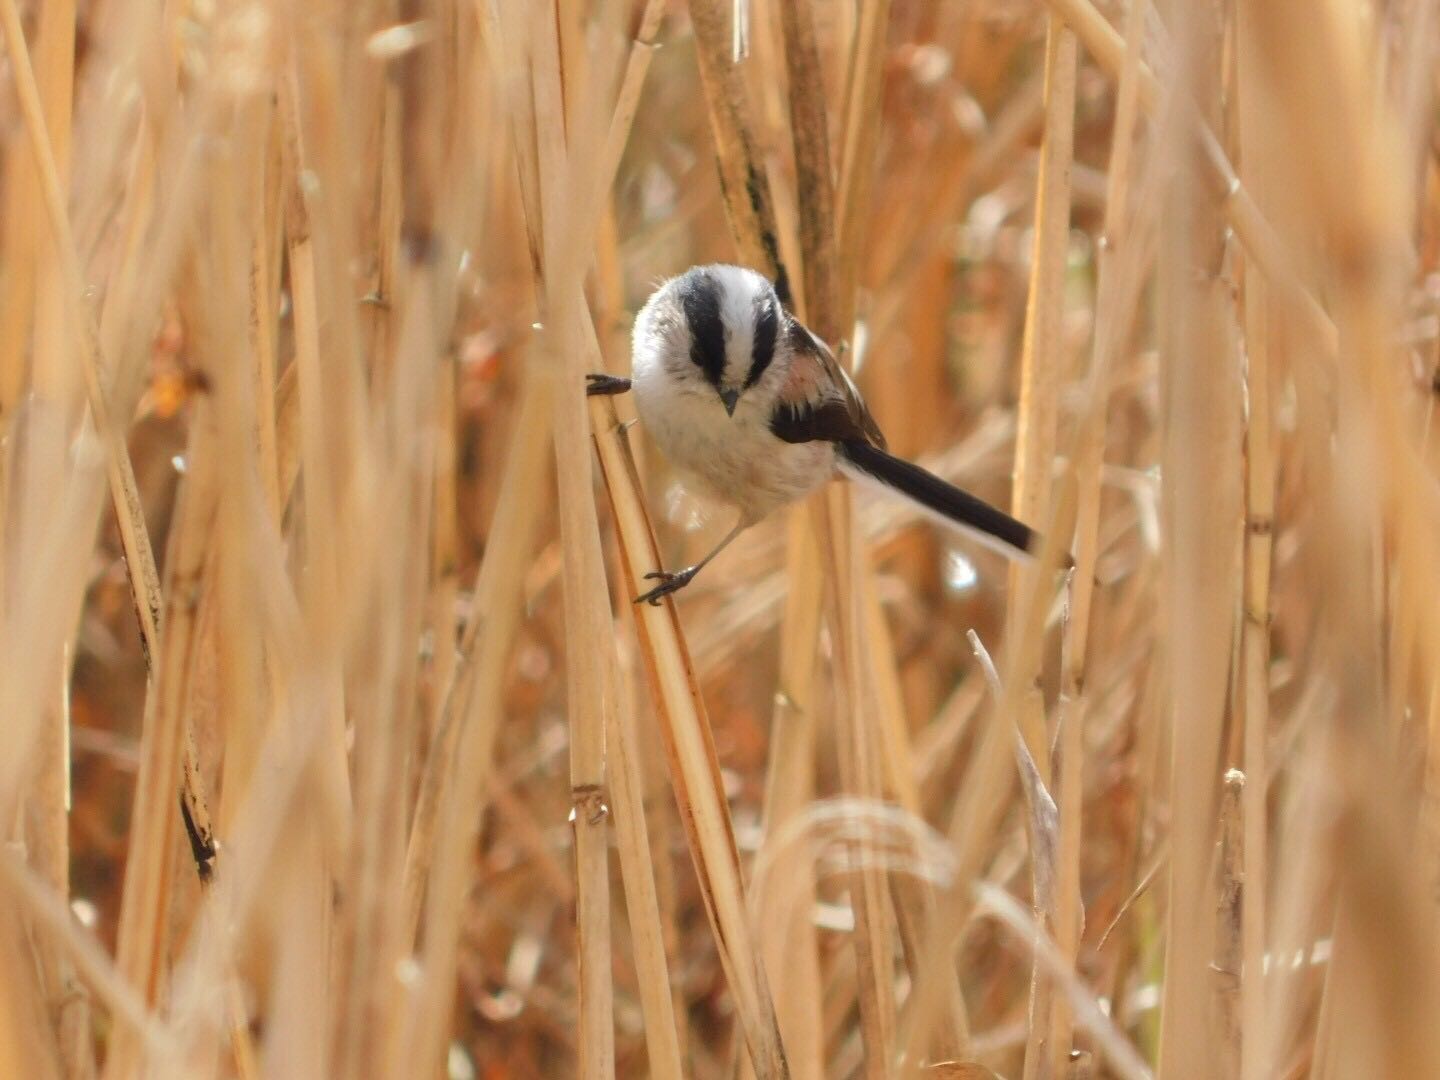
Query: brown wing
[[819, 402]]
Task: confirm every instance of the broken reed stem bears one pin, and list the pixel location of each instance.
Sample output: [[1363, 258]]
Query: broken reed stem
[[695, 770]]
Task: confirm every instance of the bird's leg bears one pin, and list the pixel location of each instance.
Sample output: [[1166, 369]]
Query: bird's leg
[[670, 583], [598, 383]]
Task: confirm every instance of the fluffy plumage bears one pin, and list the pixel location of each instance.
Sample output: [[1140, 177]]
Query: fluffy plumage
[[753, 410]]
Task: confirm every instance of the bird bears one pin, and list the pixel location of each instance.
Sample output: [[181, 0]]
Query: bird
[[754, 412]]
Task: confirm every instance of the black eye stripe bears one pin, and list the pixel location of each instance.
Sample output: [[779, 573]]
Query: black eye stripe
[[700, 300], [767, 328]]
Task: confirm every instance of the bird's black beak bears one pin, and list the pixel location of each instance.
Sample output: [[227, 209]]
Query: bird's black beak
[[729, 397]]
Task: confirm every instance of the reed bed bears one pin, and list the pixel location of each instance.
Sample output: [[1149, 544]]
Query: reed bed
[[333, 743]]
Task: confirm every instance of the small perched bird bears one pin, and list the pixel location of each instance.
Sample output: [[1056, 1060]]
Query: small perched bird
[[753, 411]]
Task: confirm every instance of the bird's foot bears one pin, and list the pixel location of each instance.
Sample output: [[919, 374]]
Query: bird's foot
[[669, 583], [600, 384]]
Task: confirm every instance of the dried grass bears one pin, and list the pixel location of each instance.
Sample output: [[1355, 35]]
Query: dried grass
[[378, 772]]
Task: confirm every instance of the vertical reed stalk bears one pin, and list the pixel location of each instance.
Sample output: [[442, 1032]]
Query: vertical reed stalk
[[1041, 370], [1201, 394], [695, 771]]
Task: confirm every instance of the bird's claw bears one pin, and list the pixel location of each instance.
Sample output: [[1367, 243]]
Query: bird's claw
[[669, 583], [599, 384]]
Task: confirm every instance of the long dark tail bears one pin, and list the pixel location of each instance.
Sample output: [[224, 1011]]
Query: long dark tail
[[992, 527]]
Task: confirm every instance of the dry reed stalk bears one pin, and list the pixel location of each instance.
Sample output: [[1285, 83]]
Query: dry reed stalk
[[1123, 1057], [17, 301], [142, 945], [448, 813], [51, 374], [857, 154], [749, 205], [815, 204], [27, 1045], [914, 897], [455, 677], [245, 733], [267, 246], [1041, 362], [695, 772], [1240, 210], [54, 385], [417, 305], [1201, 396], [1229, 935], [1041, 370], [140, 560], [50, 497], [1018, 121], [444, 589], [750, 210], [1349, 466], [1260, 482], [437, 795], [319, 400], [1116, 295], [589, 635], [826, 313], [860, 773], [141, 563], [791, 948], [227, 689], [1364, 230], [642, 49], [984, 796], [632, 839], [93, 963]]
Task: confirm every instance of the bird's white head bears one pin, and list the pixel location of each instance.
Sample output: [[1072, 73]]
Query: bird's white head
[[714, 331]]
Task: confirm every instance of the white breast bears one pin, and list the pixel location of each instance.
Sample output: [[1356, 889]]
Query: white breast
[[733, 460]]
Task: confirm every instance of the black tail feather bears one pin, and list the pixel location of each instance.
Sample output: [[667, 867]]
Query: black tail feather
[[935, 495]]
